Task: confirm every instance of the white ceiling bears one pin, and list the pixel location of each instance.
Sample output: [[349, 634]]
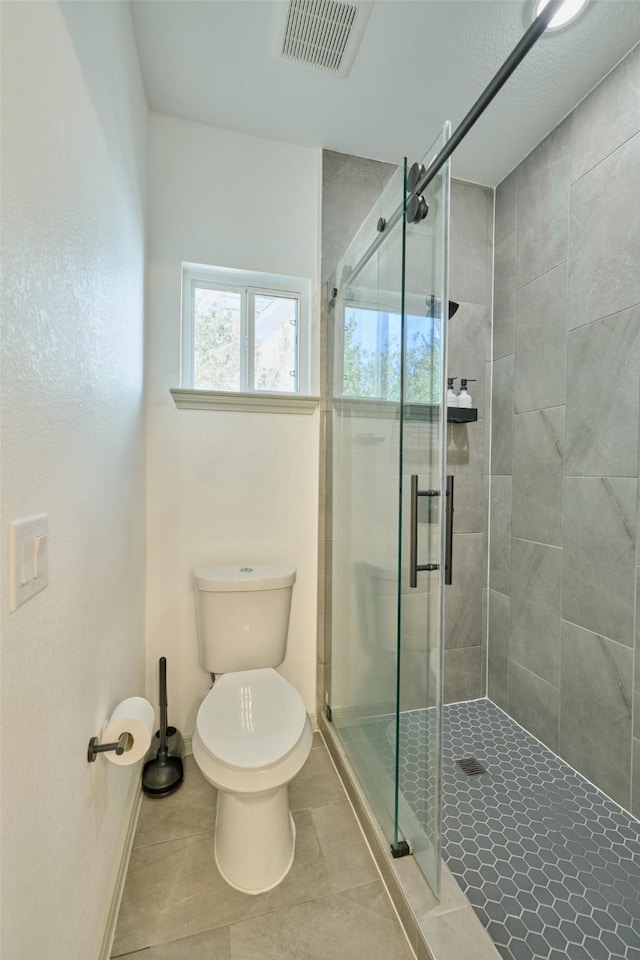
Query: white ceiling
[[421, 62]]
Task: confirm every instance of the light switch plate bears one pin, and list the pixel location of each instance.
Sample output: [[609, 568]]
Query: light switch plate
[[28, 552]]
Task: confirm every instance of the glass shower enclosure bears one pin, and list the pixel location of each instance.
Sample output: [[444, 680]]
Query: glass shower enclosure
[[387, 324]]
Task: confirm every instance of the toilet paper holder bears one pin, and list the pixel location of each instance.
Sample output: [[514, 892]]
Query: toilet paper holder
[[123, 743]]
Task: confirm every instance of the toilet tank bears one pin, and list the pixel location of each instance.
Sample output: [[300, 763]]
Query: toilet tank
[[242, 615]]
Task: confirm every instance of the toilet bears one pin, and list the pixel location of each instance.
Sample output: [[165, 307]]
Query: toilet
[[252, 734]]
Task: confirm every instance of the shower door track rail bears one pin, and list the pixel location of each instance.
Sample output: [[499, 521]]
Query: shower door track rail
[[517, 55]]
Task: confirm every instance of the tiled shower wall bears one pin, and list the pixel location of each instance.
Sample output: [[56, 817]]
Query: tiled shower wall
[[351, 185], [564, 459]]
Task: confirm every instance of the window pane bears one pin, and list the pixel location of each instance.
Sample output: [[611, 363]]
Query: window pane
[[372, 356], [216, 339], [276, 325], [423, 360]]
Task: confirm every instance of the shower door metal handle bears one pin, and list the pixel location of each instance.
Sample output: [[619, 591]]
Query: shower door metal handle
[[414, 566], [448, 535]]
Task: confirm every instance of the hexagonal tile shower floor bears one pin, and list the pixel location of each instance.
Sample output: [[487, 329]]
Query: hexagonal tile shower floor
[[550, 864]]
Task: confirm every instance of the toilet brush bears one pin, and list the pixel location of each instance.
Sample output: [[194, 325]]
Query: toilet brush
[[164, 772]]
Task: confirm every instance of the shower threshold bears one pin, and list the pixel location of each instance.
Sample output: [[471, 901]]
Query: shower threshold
[[550, 865]]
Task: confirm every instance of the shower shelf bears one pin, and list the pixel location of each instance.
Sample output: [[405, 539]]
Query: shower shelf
[[462, 414]]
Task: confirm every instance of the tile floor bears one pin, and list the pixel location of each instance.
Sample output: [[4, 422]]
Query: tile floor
[[175, 905], [549, 863]]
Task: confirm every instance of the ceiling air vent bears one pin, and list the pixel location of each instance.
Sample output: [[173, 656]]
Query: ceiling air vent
[[322, 34]]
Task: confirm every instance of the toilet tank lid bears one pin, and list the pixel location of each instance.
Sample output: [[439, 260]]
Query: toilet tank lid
[[249, 576]]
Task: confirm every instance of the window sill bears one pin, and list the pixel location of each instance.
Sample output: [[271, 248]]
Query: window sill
[[243, 402]]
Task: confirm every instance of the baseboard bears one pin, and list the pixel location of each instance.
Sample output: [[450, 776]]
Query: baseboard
[[112, 917]]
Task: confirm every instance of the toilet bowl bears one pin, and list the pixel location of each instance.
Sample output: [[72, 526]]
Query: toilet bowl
[[252, 737]]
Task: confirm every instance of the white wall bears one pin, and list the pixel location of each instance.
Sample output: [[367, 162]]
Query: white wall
[[225, 487], [74, 122]]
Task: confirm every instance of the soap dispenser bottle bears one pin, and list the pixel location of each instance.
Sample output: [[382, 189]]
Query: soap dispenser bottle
[[464, 397], [452, 399]]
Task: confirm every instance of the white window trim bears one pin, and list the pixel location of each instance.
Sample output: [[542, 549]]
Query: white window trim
[[257, 283]]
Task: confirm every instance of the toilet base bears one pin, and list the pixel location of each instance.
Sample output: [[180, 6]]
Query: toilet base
[[255, 839]]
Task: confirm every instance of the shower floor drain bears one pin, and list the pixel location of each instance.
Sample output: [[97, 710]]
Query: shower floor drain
[[470, 766]]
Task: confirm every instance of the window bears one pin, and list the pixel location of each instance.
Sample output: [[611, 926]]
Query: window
[[244, 332], [371, 355]]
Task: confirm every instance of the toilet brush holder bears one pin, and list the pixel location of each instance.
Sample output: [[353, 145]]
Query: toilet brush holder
[[175, 744], [163, 770]]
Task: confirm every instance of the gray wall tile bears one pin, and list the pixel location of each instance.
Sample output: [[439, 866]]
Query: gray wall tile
[[538, 443], [463, 619], [636, 713], [613, 126], [542, 203], [469, 337], [635, 798], [599, 555], [595, 709], [604, 238], [504, 297], [465, 460], [462, 674], [350, 187], [569, 208], [505, 222], [499, 628], [534, 704], [502, 416], [470, 242], [500, 535], [540, 358], [603, 386], [535, 608]]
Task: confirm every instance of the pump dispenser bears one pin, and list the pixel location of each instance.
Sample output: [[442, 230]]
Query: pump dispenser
[[452, 399], [464, 397]]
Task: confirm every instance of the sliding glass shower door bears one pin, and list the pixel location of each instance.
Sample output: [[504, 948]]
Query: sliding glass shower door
[[389, 506]]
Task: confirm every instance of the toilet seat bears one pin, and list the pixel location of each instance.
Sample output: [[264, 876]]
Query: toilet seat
[[251, 719]]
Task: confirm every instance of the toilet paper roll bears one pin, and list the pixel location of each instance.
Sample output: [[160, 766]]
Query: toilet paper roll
[[136, 717]]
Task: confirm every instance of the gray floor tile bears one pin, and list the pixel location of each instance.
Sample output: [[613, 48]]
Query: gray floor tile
[[547, 861], [188, 811], [316, 784], [203, 946], [457, 934], [174, 889], [338, 926], [347, 860]]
